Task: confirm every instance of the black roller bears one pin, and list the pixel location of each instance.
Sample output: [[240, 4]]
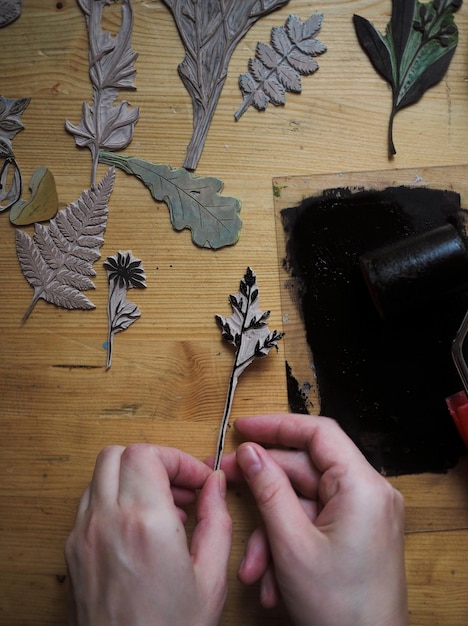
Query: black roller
[[415, 271]]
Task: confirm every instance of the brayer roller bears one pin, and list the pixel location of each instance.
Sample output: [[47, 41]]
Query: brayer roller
[[408, 275]]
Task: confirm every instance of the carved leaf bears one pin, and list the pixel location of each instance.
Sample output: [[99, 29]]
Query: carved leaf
[[194, 202], [57, 260], [43, 203], [124, 272], [415, 52], [277, 68], [10, 10], [210, 31], [247, 330], [105, 125]]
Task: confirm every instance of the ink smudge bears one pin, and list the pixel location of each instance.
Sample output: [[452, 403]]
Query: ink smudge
[[384, 381]]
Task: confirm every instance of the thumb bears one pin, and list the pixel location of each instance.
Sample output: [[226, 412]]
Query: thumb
[[284, 517]]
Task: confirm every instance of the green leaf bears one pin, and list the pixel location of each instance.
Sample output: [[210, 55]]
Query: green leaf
[[416, 50], [194, 202]]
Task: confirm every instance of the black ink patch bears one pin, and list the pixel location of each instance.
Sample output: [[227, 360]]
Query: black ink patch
[[384, 381]]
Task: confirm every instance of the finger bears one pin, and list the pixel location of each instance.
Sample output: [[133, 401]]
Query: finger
[[148, 471], [256, 557], [284, 517], [183, 497], [269, 590], [322, 437], [104, 487], [212, 536]]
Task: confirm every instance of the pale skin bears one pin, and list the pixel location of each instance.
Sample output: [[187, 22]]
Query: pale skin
[[331, 547]]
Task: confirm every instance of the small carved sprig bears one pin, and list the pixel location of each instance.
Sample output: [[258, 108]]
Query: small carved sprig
[[104, 125], [247, 330], [278, 68], [124, 272]]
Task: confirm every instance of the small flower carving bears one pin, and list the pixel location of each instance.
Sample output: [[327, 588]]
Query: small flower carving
[[124, 272]]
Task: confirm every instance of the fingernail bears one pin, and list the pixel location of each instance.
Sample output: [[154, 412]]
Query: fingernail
[[221, 483], [249, 460]]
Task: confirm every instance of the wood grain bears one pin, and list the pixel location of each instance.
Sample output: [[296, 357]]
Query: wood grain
[[169, 375]]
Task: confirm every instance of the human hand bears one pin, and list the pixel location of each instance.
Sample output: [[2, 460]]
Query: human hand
[[333, 526], [127, 554]]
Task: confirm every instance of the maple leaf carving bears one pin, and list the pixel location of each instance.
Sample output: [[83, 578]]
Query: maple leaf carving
[[104, 124], [277, 68], [58, 260]]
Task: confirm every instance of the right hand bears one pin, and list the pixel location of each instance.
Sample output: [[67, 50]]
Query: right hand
[[333, 526]]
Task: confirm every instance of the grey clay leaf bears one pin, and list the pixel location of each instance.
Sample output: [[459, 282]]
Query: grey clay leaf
[[10, 10], [277, 68], [57, 260], [210, 31], [194, 202], [104, 124]]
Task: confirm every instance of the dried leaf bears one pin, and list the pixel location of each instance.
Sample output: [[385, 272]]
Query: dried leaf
[[210, 31], [276, 68], [57, 261], [10, 10], [194, 202], [415, 52], [42, 205], [247, 330], [124, 272], [104, 124]]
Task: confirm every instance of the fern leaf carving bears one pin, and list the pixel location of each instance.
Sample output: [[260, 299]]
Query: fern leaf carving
[[57, 260], [277, 68]]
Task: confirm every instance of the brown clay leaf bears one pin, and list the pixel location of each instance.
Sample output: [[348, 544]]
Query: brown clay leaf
[[210, 31], [42, 205], [276, 68], [104, 124], [57, 261]]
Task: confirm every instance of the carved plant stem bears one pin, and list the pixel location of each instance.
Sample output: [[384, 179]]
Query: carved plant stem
[[210, 32]]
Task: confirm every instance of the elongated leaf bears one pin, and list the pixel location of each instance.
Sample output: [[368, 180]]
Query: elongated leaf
[[210, 31], [194, 202], [56, 262], [415, 52], [277, 68]]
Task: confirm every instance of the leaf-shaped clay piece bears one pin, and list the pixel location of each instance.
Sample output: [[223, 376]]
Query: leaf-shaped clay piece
[[42, 205], [10, 183], [210, 31], [124, 272], [105, 125], [194, 202], [276, 68], [415, 52], [10, 10], [10, 122], [247, 330], [57, 261]]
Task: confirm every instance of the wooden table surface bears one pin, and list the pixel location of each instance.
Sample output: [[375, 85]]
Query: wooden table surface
[[170, 370]]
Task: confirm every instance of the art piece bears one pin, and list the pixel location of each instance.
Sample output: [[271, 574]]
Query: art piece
[[124, 272], [247, 330], [194, 202], [415, 52], [10, 10], [382, 368], [278, 68], [105, 125], [10, 125], [43, 202], [210, 31], [58, 261]]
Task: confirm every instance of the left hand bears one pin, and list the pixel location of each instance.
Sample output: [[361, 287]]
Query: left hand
[[127, 554]]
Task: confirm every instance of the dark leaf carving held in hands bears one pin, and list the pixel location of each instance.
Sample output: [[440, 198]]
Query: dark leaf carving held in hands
[[124, 272], [415, 52], [210, 31], [247, 330], [58, 261], [278, 68]]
